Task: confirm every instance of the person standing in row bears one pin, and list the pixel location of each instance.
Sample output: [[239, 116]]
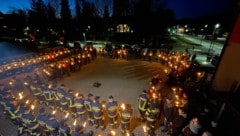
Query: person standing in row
[[112, 111], [143, 102], [98, 113]]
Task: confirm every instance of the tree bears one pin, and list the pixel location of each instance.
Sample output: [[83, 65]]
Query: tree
[[120, 8], [37, 17], [51, 16], [78, 10], [65, 17]]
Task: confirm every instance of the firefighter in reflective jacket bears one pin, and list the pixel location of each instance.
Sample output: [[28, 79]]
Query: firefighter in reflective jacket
[[98, 113], [42, 119], [29, 123], [64, 129], [48, 96], [112, 111], [52, 125], [80, 108], [152, 114], [88, 105], [125, 114], [143, 102], [70, 99]]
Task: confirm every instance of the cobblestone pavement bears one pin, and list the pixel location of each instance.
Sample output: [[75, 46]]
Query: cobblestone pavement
[[121, 78]]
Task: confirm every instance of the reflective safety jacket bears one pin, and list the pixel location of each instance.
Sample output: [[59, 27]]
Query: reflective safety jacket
[[112, 109], [97, 110], [79, 105], [52, 125], [88, 104], [153, 112], [143, 102], [125, 116]]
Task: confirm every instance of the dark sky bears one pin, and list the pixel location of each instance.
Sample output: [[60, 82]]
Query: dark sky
[[181, 8]]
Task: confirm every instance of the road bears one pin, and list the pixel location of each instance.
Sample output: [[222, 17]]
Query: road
[[216, 47]]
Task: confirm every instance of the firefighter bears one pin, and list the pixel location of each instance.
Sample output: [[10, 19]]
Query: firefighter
[[64, 129], [70, 99], [112, 111], [125, 114], [143, 102], [48, 97], [52, 125], [42, 119], [98, 113], [80, 108], [152, 114], [29, 123], [88, 104]]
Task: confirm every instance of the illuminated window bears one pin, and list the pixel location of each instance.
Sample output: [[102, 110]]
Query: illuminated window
[[123, 28]]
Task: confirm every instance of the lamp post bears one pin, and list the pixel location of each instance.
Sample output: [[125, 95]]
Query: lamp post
[[203, 33], [84, 36], [212, 41]]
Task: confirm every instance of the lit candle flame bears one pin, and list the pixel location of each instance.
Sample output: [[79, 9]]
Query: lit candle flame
[[113, 133], [20, 95], [123, 106], [67, 114], [144, 129], [75, 122], [27, 101], [32, 107], [84, 124], [76, 94], [54, 112]]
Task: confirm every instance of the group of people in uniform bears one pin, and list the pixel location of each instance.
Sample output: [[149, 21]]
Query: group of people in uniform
[[59, 98], [87, 109]]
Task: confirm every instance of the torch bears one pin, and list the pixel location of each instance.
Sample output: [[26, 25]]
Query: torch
[[113, 133], [75, 122]]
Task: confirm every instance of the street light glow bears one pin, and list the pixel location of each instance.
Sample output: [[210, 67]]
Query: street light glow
[[217, 25]]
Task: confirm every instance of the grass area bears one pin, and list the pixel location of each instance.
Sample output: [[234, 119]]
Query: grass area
[[181, 39]]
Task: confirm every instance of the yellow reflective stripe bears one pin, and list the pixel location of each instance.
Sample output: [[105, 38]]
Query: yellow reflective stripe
[[80, 112], [98, 117], [49, 128], [78, 105], [125, 122], [96, 109], [34, 127], [150, 119], [112, 116], [126, 115], [113, 108], [64, 103]]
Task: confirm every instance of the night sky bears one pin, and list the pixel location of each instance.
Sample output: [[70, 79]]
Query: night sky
[[181, 8]]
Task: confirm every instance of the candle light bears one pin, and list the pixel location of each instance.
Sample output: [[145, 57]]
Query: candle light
[[66, 116], [123, 106], [75, 122]]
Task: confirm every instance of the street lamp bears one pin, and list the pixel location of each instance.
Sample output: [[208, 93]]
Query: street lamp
[[203, 33], [216, 26], [84, 36]]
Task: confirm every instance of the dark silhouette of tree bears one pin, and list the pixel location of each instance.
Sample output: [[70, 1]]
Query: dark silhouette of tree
[[106, 12], [51, 16], [66, 17], [52, 23], [78, 10], [142, 18], [120, 8], [88, 14], [37, 18]]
